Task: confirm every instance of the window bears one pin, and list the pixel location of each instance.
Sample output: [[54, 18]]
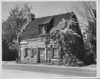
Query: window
[[25, 53], [42, 51], [29, 52], [55, 51], [42, 29]]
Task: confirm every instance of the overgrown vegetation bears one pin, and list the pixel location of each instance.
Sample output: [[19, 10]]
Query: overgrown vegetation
[[68, 39], [87, 12]]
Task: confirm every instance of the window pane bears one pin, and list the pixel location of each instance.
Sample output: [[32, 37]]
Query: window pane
[[28, 52], [42, 51], [25, 53], [55, 52]]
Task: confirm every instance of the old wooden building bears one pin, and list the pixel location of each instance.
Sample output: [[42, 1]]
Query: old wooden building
[[33, 39]]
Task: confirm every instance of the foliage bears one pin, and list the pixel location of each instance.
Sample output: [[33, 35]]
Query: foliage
[[90, 44], [13, 25], [87, 11], [69, 41], [8, 54]]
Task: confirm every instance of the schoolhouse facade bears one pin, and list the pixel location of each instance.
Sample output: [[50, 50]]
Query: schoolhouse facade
[[33, 46]]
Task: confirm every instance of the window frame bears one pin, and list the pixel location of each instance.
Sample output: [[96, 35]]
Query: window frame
[[43, 52], [26, 52], [55, 56]]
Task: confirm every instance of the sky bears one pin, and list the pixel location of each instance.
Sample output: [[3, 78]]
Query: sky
[[43, 8], [40, 9]]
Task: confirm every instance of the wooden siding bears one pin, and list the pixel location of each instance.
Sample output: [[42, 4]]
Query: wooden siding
[[33, 45]]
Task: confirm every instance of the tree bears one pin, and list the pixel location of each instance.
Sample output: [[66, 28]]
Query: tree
[[13, 25], [87, 12]]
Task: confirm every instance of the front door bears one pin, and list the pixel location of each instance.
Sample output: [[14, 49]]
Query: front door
[[41, 55]]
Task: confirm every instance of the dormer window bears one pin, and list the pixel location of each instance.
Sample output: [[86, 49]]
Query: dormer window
[[45, 26], [42, 29]]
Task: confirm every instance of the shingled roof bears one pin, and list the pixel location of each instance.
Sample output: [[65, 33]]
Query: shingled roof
[[32, 30]]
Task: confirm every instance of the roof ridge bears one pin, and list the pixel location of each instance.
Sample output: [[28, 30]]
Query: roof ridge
[[52, 15]]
